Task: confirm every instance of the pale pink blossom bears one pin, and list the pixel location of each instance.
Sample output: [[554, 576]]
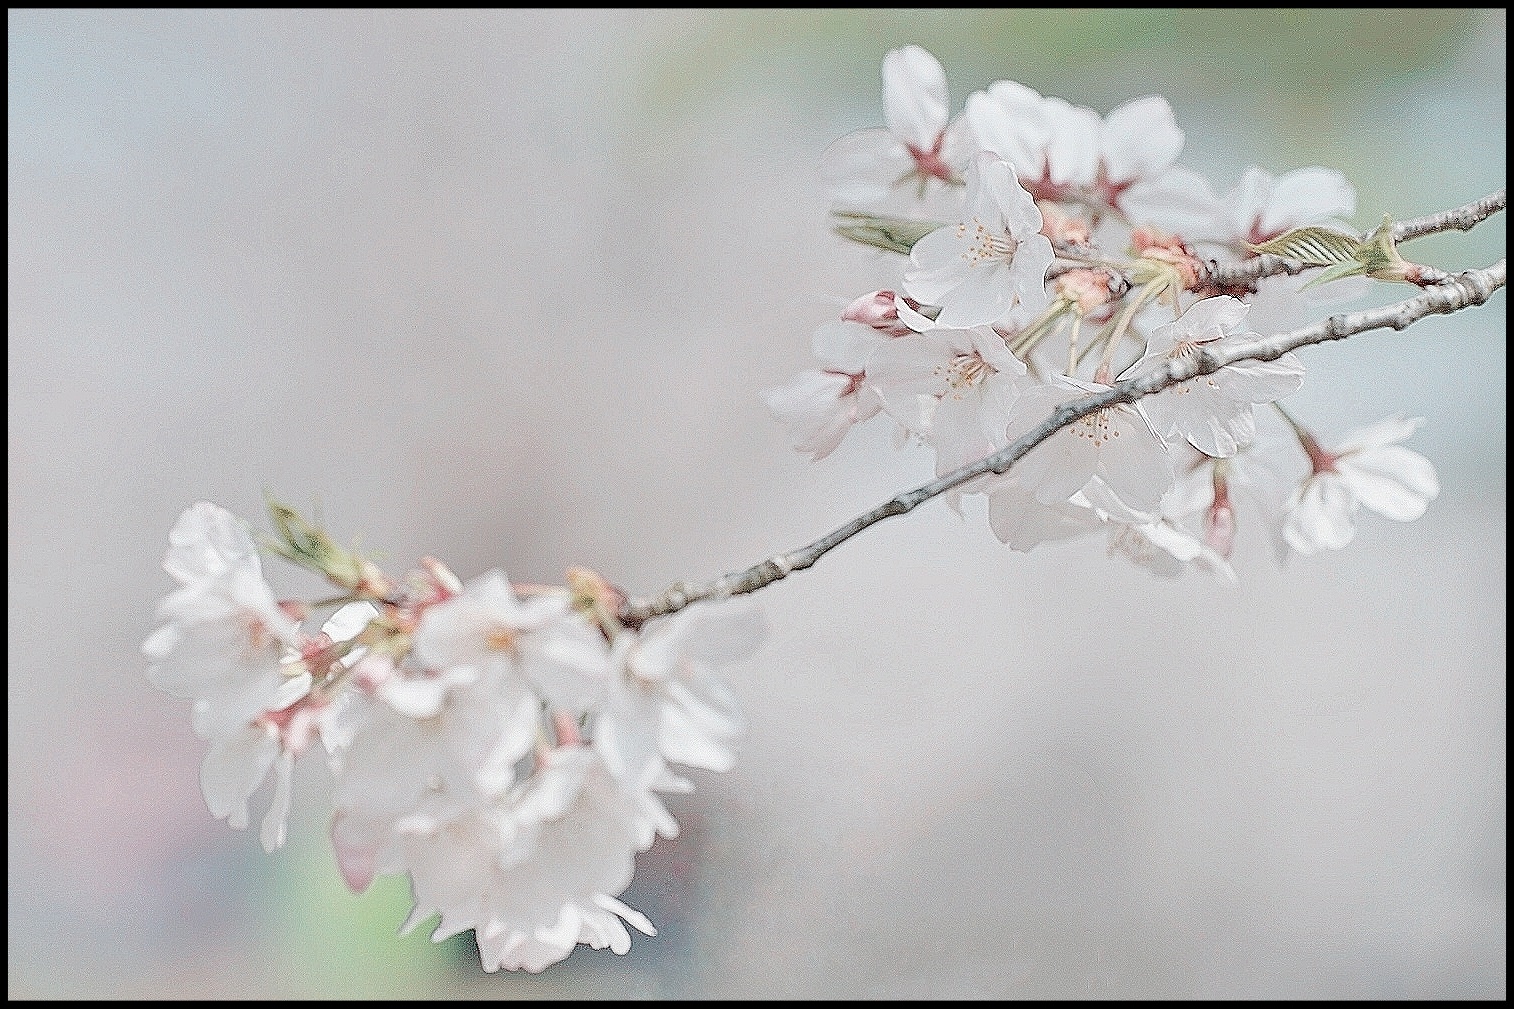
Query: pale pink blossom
[[537, 873], [820, 406], [921, 148], [667, 702], [537, 638], [1216, 413], [952, 387], [1263, 206], [990, 267], [1365, 469], [224, 637], [1115, 444]]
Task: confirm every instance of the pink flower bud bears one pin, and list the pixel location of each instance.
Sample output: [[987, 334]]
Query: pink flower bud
[[878, 311]]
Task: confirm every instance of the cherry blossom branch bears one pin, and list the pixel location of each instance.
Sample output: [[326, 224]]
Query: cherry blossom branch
[[1465, 218], [1465, 290]]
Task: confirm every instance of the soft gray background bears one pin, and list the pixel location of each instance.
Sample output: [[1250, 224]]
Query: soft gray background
[[503, 288]]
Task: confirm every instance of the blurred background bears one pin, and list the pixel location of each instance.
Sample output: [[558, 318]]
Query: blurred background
[[503, 287]]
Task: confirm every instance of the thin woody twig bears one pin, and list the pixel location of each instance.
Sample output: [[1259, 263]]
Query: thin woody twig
[[1474, 287], [1230, 276]]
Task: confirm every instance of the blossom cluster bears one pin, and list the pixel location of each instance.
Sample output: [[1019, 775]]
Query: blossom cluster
[[1076, 252], [507, 746]]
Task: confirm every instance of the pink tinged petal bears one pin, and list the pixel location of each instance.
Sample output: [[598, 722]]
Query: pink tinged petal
[[865, 166], [1323, 518], [1245, 208], [1385, 432], [234, 769], [1307, 196], [1393, 481], [356, 853], [915, 100], [1140, 138]]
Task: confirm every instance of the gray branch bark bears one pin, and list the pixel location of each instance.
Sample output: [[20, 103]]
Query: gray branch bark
[[1464, 290]]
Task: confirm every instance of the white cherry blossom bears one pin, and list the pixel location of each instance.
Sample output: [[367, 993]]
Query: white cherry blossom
[[921, 148], [666, 702], [1263, 206], [952, 387], [1216, 413], [1365, 469], [224, 638], [1116, 444], [991, 266], [537, 638], [820, 406], [537, 873]]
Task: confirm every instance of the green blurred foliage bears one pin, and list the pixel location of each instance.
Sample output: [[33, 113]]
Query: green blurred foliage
[[1295, 54]]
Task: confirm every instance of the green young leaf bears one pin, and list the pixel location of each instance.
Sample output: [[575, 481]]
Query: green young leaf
[[1315, 245], [891, 234], [308, 545], [1336, 272]]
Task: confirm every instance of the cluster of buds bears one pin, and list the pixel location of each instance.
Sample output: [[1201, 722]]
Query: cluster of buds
[[506, 746], [1080, 254]]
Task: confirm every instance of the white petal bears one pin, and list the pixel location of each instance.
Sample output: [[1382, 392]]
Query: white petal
[[865, 166], [844, 346], [276, 821], [1011, 121], [1307, 196], [1136, 464], [1140, 138], [1323, 517], [234, 769], [1384, 432], [914, 96], [1393, 481], [1261, 381]]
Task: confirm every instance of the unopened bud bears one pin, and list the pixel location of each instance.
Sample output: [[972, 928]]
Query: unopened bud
[[879, 311]]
